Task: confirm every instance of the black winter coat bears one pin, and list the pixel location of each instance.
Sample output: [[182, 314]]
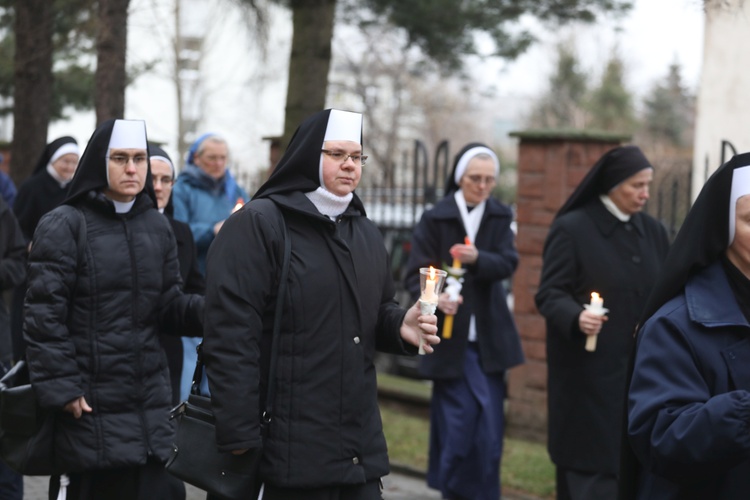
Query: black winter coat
[[12, 249], [193, 281], [91, 330], [590, 250], [339, 309], [12, 272], [37, 196], [483, 290]]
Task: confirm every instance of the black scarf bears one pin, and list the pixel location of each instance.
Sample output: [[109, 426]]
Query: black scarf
[[613, 167], [703, 236]]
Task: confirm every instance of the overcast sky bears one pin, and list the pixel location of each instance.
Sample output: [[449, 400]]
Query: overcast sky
[[655, 34]]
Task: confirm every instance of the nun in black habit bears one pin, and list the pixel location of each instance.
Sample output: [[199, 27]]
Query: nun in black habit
[[689, 395], [48, 185], [325, 439], [467, 419], [91, 320], [600, 241]]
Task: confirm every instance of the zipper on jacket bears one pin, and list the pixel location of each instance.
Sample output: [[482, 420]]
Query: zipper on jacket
[[134, 334]]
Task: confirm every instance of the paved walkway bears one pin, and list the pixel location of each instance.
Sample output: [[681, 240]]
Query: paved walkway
[[398, 486]]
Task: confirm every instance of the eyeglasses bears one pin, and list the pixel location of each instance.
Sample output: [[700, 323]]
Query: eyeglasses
[[478, 179], [165, 181], [342, 157], [122, 160]]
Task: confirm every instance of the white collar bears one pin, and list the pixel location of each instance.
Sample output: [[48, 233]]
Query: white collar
[[53, 173], [328, 203], [612, 208], [472, 219], [123, 207]]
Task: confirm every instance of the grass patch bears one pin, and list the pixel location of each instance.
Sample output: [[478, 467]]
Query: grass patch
[[418, 389], [407, 437], [525, 466]]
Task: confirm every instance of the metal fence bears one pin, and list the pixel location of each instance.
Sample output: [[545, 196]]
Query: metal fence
[[671, 192]]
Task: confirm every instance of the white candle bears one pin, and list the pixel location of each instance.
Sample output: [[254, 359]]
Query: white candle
[[596, 306], [597, 303], [429, 295]]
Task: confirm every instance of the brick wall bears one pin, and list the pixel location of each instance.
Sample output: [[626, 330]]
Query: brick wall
[[550, 166]]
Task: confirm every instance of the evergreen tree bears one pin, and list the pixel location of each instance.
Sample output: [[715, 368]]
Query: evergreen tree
[[669, 110], [562, 105], [72, 51], [610, 105]]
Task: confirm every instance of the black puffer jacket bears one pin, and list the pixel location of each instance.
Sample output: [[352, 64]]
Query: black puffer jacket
[[91, 329]]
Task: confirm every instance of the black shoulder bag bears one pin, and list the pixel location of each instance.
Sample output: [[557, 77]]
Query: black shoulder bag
[[27, 431], [195, 458]]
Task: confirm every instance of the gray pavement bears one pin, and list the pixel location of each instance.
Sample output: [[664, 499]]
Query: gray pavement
[[404, 485], [397, 487]]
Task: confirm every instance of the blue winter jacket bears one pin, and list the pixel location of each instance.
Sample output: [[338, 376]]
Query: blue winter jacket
[[201, 202], [689, 398]]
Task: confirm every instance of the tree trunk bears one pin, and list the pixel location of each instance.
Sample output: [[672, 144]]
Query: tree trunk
[[32, 84], [111, 47], [181, 125], [309, 61]]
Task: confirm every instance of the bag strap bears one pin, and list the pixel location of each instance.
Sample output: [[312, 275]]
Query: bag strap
[[82, 235], [271, 394]]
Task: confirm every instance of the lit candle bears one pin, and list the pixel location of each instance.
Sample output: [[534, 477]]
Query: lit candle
[[597, 303], [429, 295], [596, 306]]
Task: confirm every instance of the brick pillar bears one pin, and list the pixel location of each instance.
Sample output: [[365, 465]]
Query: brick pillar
[[550, 166]]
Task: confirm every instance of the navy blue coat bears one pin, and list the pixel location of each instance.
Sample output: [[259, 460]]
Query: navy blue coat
[[689, 399], [483, 290]]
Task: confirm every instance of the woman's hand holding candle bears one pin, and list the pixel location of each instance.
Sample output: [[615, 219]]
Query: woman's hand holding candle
[[591, 319], [420, 329], [449, 301], [465, 253]]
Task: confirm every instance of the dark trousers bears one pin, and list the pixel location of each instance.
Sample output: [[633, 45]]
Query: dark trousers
[[578, 485], [143, 482], [11, 483]]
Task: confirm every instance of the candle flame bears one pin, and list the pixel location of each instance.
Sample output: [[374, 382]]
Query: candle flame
[[594, 296], [238, 205], [432, 273], [467, 241]]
